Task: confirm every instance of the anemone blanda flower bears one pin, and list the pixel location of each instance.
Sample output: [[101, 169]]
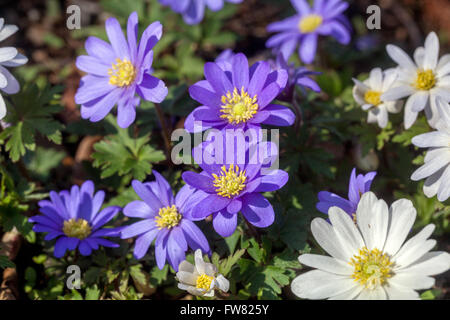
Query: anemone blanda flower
[[370, 259], [9, 57], [166, 218], [436, 168], [118, 71], [75, 219], [200, 279], [358, 185], [297, 76], [421, 80], [194, 10], [368, 95], [233, 182], [325, 18], [238, 98]]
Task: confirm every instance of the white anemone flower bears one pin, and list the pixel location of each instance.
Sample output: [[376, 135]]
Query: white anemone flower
[[436, 168], [370, 259], [9, 57], [422, 80], [201, 279], [368, 95]]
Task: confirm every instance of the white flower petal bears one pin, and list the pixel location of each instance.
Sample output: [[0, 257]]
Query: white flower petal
[[443, 70], [414, 248], [200, 265], [399, 293], [318, 284], [412, 281], [382, 116], [186, 266], [410, 116], [431, 51], [402, 216], [431, 112], [376, 79], [210, 269], [358, 96], [443, 93], [12, 86], [419, 100], [3, 81], [443, 61], [431, 263], [400, 56], [18, 60], [372, 217], [361, 86], [444, 189], [345, 229], [376, 294], [326, 263], [7, 31], [431, 167], [419, 55], [431, 139], [326, 237], [7, 53], [222, 283], [187, 278], [432, 183], [390, 76], [396, 93], [2, 108], [349, 294]]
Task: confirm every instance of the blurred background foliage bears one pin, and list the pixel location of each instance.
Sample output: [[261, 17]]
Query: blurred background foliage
[[47, 146]]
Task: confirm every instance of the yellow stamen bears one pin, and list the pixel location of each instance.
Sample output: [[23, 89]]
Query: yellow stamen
[[122, 73], [310, 23], [425, 79], [204, 282], [372, 268], [230, 183], [372, 97], [77, 228], [168, 217], [238, 107]]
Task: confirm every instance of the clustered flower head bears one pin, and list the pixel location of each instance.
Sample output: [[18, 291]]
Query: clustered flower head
[[422, 81], [9, 57], [167, 218], [436, 168], [370, 259], [202, 278], [194, 10], [234, 96], [324, 18], [358, 185], [74, 218], [118, 71], [369, 92]]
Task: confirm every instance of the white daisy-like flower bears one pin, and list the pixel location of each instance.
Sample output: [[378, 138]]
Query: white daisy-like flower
[[201, 279], [368, 95], [436, 168], [9, 57], [422, 80], [370, 258]]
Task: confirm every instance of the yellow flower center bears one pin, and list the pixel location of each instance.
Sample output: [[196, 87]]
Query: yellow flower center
[[77, 228], [122, 73], [168, 217], [425, 80], [372, 268], [372, 97], [230, 183], [310, 23], [204, 282], [238, 107]]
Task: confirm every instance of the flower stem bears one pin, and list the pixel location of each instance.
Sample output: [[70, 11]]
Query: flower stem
[[165, 130]]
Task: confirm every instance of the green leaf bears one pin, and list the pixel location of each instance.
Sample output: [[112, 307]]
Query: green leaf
[[30, 112], [6, 263], [125, 155]]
